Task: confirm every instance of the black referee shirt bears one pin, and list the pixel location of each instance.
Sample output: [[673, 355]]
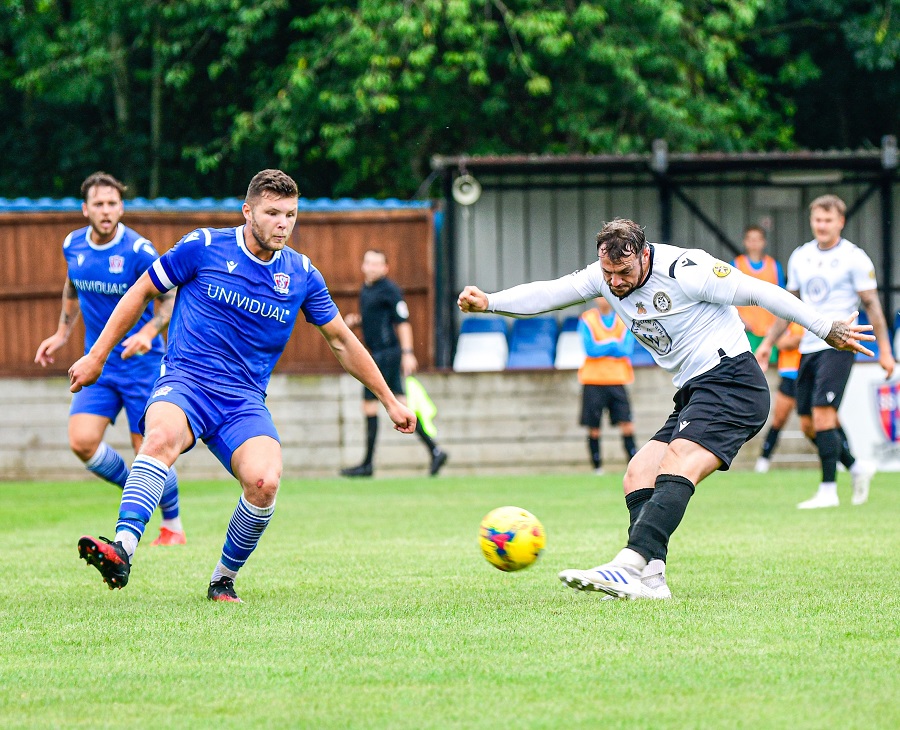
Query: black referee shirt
[[382, 307]]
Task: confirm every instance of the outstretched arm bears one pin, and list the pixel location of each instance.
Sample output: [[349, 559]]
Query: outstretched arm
[[527, 300], [357, 361], [126, 314], [841, 335]]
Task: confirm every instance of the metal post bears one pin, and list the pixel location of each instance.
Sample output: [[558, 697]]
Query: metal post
[[660, 164], [444, 276], [889, 165]]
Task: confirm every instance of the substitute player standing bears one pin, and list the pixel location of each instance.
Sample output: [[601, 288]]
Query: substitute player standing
[[679, 303], [833, 275], [240, 292], [104, 260]]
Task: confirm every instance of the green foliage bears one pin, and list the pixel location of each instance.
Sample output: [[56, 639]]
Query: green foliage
[[192, 97]]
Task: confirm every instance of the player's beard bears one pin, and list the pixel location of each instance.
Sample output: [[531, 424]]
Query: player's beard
[[632, 287], [265, 244]]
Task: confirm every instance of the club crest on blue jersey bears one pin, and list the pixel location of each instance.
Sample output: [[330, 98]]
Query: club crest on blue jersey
[[282, 282], [116, 264]]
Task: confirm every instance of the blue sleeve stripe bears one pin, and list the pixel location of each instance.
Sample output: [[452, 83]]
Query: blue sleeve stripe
[[160, 277]]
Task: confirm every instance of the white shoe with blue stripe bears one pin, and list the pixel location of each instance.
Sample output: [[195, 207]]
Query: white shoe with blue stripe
[[617, 581]]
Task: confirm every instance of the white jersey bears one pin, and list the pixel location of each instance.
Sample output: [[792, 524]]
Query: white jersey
[[830, 281], [681, 313]]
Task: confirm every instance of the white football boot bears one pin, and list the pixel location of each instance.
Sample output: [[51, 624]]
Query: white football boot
[[861, 474], [820, 500], [617, 581], [762, 465]]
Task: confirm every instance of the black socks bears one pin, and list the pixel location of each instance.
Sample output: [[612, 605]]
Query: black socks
[[660, 516]]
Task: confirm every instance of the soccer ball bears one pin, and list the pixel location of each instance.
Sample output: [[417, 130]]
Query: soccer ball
[[511, 538]]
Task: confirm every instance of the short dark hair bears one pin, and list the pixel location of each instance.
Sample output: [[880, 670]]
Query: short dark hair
[[377, 251], [101, 180], [829, 202], [759, 229], [621, 238], [275, 182]]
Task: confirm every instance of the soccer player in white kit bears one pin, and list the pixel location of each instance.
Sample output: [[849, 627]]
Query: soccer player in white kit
[[680, 304], [833, 275]]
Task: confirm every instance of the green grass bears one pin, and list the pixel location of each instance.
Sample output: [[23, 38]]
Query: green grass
[[369, 605]]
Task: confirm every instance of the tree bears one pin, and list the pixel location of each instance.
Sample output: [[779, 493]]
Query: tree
[[370, 90]]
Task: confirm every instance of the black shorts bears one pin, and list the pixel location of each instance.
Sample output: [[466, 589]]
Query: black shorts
[[721, 409], [822, 378], [788, 387], [598, 398], [388, 362]]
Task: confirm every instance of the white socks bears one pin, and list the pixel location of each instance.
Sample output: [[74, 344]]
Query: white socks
[[630, 559], [128, 539]]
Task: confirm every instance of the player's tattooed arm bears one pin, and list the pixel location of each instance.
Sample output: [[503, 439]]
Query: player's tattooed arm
[[872, 304], [166, 303], [70, 307], [67, 318], [840, 335]]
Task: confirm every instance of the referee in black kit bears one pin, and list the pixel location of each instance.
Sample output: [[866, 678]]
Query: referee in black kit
[[388, 334]]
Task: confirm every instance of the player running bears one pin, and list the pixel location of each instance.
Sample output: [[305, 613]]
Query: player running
[[240, 291], [104, 261]]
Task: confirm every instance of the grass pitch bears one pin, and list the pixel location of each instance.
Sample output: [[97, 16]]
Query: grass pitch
[[369, 605]]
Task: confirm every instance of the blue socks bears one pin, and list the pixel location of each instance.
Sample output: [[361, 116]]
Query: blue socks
[[107, 464], [169, 501], [246, 527], [143, 490]]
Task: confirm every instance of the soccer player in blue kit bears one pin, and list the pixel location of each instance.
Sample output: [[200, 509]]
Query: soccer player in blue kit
[[240, 291], [104, 260]]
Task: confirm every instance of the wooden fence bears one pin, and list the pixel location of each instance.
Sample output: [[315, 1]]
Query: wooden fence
[[32, 273]]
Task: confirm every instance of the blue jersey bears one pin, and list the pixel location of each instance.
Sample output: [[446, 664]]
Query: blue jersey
[[102, 274], [234, 312]]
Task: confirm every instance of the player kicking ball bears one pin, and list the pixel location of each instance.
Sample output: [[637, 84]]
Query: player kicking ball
[[240, 291], [680, 304]]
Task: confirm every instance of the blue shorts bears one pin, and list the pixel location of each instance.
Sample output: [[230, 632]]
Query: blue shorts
[[222, 420], [129, 387]]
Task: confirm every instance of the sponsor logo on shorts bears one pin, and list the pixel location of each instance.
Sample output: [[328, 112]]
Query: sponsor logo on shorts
[[165, 390], [721, 269], [282, 282], [662, 302]]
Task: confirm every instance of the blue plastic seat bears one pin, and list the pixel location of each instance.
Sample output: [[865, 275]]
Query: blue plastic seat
[[530, 359], [483, 324]]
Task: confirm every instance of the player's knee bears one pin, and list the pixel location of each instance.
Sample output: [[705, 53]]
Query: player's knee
[[161, 444], [83, 447], [261, 488]]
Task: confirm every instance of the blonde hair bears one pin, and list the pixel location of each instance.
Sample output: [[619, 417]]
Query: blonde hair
[[829, 202]]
